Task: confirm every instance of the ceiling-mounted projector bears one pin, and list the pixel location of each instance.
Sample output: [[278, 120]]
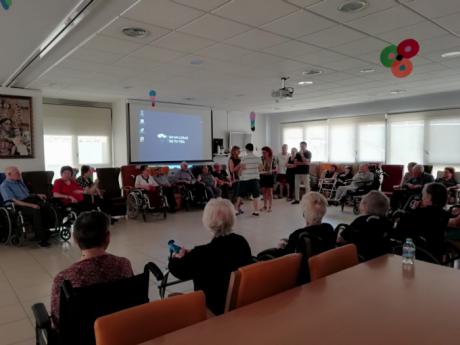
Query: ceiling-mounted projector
[[285, 92]]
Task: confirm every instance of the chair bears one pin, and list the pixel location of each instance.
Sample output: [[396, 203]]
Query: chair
[[262, 279], [392, 176], [109, 183], [332, 261], [148, 321], [39, 182], [80, 307]]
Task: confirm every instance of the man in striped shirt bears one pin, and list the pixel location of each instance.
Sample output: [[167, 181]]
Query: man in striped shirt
[[250, 175]]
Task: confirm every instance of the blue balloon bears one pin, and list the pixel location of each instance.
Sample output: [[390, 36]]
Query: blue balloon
[[152, 93]]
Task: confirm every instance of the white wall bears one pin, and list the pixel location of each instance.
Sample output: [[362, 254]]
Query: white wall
[[119, 133], [237, 121], [38, 162]]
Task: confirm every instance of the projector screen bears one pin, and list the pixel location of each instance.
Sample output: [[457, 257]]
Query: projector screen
[[169, 133]]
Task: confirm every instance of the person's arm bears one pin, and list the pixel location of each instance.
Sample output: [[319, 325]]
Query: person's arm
[[17, 202], [58, 194], [184, 264]]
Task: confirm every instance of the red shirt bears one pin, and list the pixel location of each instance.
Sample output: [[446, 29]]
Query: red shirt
[[68, 189], [95, 270]]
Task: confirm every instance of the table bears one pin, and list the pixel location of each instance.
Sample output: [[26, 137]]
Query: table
[[377, 302]]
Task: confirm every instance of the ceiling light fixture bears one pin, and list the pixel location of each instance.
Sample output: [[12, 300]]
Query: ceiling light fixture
[[352, 6], [451, 54], [397, 92], [196, 62], [367, 70], [312, 72], [305, 82], [135, 32]]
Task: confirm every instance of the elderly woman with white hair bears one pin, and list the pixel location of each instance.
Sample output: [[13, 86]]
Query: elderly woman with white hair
[[371, 231], [210, 265]]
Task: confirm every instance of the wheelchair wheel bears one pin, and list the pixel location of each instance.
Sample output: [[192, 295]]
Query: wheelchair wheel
[[133, 206], [17, 240], [5, 226], [65, 234]]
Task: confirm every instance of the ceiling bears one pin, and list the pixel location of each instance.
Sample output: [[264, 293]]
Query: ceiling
[[232, 54]]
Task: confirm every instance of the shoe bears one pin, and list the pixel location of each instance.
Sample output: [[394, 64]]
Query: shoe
[[239, 212], [44, 244], [255, 214], [295, 202], [269, 210]]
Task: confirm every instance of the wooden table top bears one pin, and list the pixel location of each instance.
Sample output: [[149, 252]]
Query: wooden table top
[[377, 302]]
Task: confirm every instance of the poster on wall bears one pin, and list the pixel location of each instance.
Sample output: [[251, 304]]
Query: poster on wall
[[16, 127]]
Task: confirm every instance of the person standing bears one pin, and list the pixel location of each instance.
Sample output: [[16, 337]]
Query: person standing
[[290, 173], [234, 167], [250, 178], [282, 161], [302, 171], [267, 177]]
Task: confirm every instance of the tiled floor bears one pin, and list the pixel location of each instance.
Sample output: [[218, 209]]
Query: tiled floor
[[26, 273]]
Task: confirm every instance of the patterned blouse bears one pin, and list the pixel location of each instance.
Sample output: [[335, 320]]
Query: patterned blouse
[[96, 270]]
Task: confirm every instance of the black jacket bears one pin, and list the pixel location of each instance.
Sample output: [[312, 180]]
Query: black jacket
[[210, 266], [370, 234]]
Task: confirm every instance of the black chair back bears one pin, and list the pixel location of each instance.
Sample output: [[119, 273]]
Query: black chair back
[[109, 181], [38, 182], [80, 307]]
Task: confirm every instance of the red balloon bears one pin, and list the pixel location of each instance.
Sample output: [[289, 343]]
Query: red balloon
[[408, 48]]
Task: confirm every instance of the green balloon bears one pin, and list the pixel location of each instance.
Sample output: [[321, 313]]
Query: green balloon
[[388, 55]]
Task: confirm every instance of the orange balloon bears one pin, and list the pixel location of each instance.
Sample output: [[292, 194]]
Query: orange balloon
[[402, 69]]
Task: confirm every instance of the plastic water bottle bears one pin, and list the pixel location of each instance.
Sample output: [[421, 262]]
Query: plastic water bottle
[[408, 253], [173, 248]]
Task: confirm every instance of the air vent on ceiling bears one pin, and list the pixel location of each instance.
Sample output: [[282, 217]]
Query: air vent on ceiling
[[135, 32], [352, 6]]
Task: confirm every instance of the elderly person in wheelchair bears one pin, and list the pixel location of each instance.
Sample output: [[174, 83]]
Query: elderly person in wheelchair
[[361, 179], [210, 265], [32, 207], [191, 190]]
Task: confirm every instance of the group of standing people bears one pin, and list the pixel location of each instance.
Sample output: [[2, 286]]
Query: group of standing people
[[252, 176]]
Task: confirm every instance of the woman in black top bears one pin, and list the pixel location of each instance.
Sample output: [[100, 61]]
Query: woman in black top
[[267, 177], [345, 176], [210, 265], [234, 168], [290, 173]]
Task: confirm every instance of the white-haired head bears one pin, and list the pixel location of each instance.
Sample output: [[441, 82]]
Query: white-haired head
[[219, 216], [375, 203], [314, 207]]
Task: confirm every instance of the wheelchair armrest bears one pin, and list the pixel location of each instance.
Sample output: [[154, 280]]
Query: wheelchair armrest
[[42, 318], [155, 270]]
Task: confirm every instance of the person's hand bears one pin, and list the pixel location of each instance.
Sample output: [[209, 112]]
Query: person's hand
[[35, 206], [181, 253], [72, 199], [42, 196]]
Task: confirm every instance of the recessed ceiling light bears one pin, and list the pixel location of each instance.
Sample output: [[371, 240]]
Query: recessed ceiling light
[[352, 6], [451, 54], [367, 70], [135, 32], [196, 62], [397, 92], [305, 82], [312, 72], [189, 99]]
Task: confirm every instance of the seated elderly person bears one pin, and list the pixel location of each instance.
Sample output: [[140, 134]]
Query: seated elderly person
[[362, 178], [91, 191], [210, 265], [427, 224], [33, 207], [223, 180], [147, 183], [184, 178], [413, 186], [162, 180], [96, 266], [210, 183], [70, 193], [371, 231], [449, 181], [345, 176]]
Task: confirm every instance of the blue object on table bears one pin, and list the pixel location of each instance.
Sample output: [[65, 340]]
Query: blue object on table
[[173, 248]]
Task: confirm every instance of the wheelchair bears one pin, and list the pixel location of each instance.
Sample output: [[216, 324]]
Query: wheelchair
[[65, 218], [327, 187], [192, 194], [12, 225], [139, 201]]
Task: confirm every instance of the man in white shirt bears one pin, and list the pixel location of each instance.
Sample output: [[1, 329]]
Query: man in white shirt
[[250, 175], [281, 162]]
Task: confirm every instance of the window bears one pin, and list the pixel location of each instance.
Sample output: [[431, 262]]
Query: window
[[58, 152], [76, 135], [316, 138], [444, 140], [406, 138], [342, 141], [93, 150], [292, 136], [371, 142]]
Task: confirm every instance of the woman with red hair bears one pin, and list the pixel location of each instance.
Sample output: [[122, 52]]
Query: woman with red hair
[[267, 177]]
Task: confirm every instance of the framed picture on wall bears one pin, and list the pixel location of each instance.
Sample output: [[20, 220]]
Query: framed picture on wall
[[16, 127]]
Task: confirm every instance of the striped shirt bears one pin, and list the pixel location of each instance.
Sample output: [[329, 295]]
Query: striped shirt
[[251, 171]]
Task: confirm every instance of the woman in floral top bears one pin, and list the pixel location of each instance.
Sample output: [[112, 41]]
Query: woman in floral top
[[91, 232]]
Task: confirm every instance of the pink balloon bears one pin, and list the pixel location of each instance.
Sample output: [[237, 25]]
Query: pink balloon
[[252, 116]]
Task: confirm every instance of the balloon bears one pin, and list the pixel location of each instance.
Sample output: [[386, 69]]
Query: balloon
[[408, 48], [388, 55], [153, 97], [403, 68], [6, 4], [252, 116], [152, 93]]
